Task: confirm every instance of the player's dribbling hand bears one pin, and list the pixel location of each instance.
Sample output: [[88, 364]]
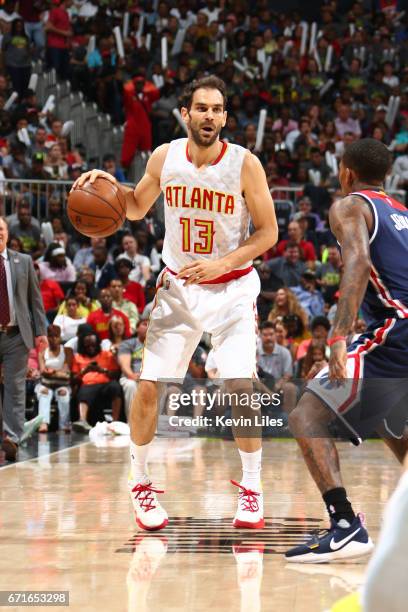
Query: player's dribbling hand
[[338, 361], [201, 271], [91, 176]]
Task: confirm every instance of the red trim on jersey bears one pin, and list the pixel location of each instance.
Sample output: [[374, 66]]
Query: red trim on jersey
[[224, 278], [217, 159], [381, 195], [385, 295]]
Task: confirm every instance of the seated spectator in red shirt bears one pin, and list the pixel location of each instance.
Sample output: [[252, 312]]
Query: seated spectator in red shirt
[[97, 372], [133, 291], [51, 291], [99, 319], [295, 235]]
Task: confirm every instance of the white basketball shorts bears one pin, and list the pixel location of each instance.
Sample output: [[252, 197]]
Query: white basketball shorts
[[182, 313]]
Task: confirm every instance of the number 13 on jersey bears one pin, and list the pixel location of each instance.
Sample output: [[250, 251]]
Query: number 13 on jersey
[[205, 233]]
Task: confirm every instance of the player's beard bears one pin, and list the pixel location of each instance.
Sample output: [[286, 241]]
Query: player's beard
[[201, 142]]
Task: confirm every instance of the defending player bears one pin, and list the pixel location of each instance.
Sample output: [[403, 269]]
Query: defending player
[[211, 191], [364, 388]]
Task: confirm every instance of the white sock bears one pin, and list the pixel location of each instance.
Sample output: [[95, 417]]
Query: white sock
[[251, 469], [138, 460]]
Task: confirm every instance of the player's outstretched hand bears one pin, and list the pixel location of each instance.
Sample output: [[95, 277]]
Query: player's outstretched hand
[[338, 361], [91, 176], [201, 271]]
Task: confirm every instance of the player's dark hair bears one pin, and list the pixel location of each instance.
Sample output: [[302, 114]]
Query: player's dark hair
[[208, 82], [369, 159]]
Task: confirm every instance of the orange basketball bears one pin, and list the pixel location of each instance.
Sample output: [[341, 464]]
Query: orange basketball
[[98, 209]]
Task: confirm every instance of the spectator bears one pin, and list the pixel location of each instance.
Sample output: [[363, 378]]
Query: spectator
[[55, 378], [16, 164], [86, 303], [286, 304], [99, 319], [141, 265], [21, 202], [40, 139], [71, 347], [126, 306], [17, 57], [56, 265], [116, 335], [295, 235], [313, 361], [275, 366], [345, 123], [132, 291], [15, 244], [96, 372], [104, 270], [68, 323], [59, 33], [289, 268], [138, 97], [109, 165], [309, 297], [329, 273], [85, 256], [37, 171], [31, 13], [27, 232], [55, 165], [270, 283], [51, 291], [320, 328]]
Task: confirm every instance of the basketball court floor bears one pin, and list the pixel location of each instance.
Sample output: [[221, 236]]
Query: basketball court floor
[[67, 525]]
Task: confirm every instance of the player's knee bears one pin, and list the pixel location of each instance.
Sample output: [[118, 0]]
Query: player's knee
[[62, 392], [44, 391]]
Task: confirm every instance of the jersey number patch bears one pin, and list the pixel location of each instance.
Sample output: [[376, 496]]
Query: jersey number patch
[[205, 233]]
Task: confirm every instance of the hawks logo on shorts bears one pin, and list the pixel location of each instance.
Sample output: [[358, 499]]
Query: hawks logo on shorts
[[205, 212]]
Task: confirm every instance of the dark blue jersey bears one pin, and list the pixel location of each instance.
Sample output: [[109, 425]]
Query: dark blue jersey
[[387, 291]]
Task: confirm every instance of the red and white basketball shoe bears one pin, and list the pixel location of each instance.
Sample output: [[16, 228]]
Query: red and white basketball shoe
[[249, 514], [150, 515]]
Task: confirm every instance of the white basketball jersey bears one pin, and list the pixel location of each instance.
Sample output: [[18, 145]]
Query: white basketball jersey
[[205, 213]]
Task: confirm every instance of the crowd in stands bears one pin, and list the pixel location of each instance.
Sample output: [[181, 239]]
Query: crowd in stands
[[98, 293]]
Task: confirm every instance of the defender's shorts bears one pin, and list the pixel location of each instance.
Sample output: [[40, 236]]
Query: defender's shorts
[[375, 393], [182, 313]]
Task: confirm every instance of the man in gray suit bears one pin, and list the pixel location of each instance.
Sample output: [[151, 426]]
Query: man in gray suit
[[22, 325]]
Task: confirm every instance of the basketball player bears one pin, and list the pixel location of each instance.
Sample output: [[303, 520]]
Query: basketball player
[[211, 191], [363, 386]]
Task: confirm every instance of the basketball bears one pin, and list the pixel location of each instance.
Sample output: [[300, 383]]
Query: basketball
[[97, 209]]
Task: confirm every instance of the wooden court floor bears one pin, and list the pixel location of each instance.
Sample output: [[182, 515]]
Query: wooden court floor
[[67, 524]]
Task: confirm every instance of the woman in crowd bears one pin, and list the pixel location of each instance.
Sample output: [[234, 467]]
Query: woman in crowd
[[54, 382], [56, 266], [81, 291], [55, 164], [286, 303], [69, 322], [97, 373], [313, 361], [116, 330], [141, 264]]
